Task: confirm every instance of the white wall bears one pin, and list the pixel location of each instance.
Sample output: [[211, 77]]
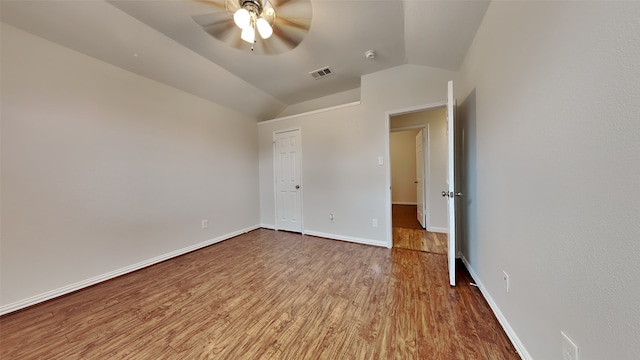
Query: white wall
[[324, 102], [336, 170], [436, 161], [103, 169], [402, 146], [549, 101]]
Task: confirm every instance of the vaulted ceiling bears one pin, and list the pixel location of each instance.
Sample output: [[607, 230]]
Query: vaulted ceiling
[[160, 40]]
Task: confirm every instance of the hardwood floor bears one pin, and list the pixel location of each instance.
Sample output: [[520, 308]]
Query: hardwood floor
[[404, 216], [408, 233], [268, 295], [420, 240]]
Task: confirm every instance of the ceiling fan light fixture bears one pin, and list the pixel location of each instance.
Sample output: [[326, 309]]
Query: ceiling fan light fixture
[[248, 34], [242, 18], [264, 28], [281, 29]]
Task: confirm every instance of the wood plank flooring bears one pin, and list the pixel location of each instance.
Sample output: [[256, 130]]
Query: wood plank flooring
[[268, 295], [404, 216], [420, 240], [408, 233]]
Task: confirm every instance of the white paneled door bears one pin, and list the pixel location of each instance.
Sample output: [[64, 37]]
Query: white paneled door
[[288, 180], [420, 178]]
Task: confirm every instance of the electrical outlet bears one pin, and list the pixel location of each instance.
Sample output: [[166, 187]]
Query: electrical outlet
[[569, 348], [374, 223], [331, 217], [505, 277], [205, 224]]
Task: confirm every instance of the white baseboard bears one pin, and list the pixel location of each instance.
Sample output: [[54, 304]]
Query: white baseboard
[[403, 203], [522, 351], [21, 304], [346, 238], [268, 226], [438, 229]]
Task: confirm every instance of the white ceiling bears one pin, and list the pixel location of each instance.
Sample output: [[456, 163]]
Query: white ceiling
[[158, 39]]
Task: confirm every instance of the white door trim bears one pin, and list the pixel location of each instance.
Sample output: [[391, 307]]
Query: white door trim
[[426, 163], [421, 198], [387, 124], [410, 127]]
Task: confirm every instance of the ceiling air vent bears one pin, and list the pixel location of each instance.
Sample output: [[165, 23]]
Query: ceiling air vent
[[321, 73]]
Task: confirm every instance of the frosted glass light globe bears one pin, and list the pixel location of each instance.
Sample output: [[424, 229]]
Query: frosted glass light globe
[[242, 18], [264, 28], [248, 34]]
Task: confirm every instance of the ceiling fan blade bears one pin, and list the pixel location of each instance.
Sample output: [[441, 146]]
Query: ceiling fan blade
[[223, 32], [216, 3], [287, 37], [218, 25], [267, 48], [293, 21], [281, 3], [292, 9], [302, 24], [238, 43], [211, 19]]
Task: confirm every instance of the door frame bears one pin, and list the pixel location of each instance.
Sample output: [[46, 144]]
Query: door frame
[[388, 116], [275, 182]]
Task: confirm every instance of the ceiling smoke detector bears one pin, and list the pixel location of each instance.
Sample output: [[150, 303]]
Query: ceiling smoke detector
[[370, 54]]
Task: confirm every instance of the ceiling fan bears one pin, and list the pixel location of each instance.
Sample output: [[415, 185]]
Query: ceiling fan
[[265, 26]]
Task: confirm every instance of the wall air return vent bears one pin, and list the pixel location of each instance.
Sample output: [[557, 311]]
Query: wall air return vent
[[321, 73]]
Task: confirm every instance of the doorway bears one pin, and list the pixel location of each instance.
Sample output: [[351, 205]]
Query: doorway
[[418, 160]]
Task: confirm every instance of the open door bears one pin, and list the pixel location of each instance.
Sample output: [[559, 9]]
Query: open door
[[450, 193]]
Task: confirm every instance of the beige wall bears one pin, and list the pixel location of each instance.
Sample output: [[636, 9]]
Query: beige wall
[[335, 174], [402, 150], [418, 118], [103, 169], [549, 101]]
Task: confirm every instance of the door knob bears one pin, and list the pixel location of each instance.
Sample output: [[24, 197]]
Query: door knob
[[451, 194], [297, 186]]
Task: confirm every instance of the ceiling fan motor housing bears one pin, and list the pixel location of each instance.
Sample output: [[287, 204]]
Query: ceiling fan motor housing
[[254, 6]]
